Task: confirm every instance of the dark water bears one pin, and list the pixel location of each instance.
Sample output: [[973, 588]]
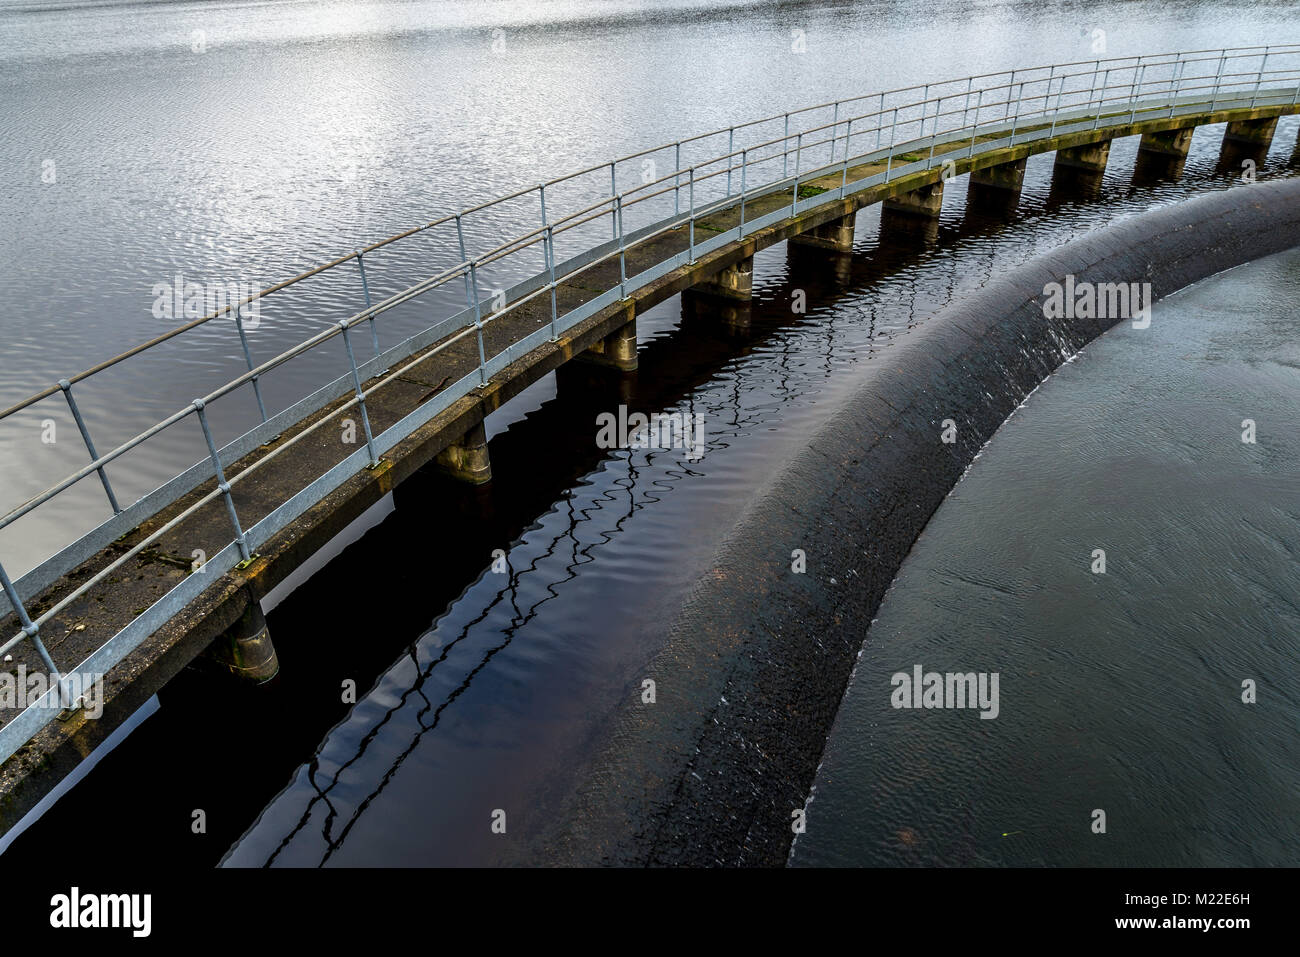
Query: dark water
[[477, 690], [1119, 691]]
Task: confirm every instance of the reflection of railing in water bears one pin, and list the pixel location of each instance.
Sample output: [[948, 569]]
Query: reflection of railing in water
[[520, 619], [994, 115]]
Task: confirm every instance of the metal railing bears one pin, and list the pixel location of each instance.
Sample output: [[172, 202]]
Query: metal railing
[[888, 134]]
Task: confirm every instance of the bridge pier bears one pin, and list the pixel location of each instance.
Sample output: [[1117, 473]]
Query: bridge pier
[[912, 219], [246, 649], [926, 201], [615, 351], [1252, 132], [836, 235], [467, 458], [1091, 157], [1162, 155], [995, 190], [734, 282], [726, 297], [1168, 142]]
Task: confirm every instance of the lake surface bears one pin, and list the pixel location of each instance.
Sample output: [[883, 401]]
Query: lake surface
[[305, 129], [1120, 691]]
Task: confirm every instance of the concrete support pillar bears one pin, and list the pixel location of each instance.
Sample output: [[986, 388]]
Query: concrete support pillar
[[1090, 157], [924, 201], [1004, 176], [837, 235], [994, 191], [1168, 142], [735, 282], [615, 351], [579, 381], [467, 459], [1162, 155], [1252, 132], [246, 647]]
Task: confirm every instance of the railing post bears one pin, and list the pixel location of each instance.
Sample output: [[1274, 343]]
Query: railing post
[[1259, 78], [1135, 91], [1015, 120], [848, 138], [478, 324], [1102, 99], [691, 231], [974, 130], [677, 179], [546, 249], [743, 159], [66, 386], [550, 243], [794, 196], [731, 143], [785, 149], [835, 129], [622, 252], [31, 630], [880, 120], [1057, 112], [1218, 79], [934, 130], [365, 288], [248, 359], [222, 484], [464, 258], [361, 396], [893, 135], [613, 213]]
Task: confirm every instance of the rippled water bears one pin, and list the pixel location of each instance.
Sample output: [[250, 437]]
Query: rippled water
[[1120, 691], [475, 689]]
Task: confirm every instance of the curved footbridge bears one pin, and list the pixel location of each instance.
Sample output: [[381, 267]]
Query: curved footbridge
[[128, 601]]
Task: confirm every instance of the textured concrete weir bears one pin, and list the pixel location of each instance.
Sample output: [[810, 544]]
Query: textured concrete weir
[[757, 661]]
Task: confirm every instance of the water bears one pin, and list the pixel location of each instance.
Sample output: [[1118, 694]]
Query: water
[[476, 690], [1119, 691]]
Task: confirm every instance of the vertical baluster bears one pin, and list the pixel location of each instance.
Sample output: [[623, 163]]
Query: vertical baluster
[[691, 237], [613, 213], [361, 396], [550, 258], [248, 359], [478, 322], [743, 157], [794, 197], [731, 142], [848, 138], [785, 149], [677, 178], [222, 484], [622, 252], [66, 386], [30, 628], [365, 288]]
